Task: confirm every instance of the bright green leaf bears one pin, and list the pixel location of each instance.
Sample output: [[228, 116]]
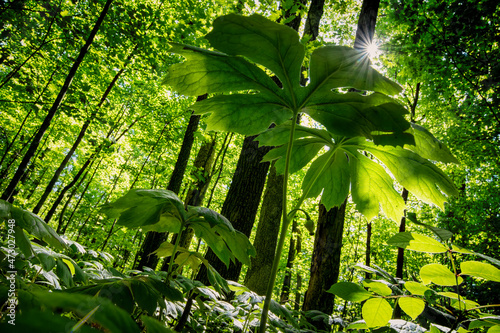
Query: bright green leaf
[[350, 291], [417, 242], [439, 274], [416, 288], [376, 312], [412, 306], [377, 287], [480, 270]]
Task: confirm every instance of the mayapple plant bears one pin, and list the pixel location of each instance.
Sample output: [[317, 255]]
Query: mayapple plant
[[365, 142]]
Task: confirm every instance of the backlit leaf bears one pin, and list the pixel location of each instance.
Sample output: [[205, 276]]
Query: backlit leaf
[[480, 270], [439, 275], [417, 242], [412, 306], [376, 312]]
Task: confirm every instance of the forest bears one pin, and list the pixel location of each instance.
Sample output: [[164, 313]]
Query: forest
[[250, 166]]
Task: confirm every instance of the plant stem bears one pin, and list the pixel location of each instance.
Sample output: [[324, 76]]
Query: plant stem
[[174, 251], [284, 227]]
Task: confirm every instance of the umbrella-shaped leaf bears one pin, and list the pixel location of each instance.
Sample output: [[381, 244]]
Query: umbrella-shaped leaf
[[372, 188], [157, 210], [418, 175], [427, 146], [32, 224]]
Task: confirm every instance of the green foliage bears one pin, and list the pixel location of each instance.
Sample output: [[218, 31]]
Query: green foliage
[[162, 210], [377, 311]]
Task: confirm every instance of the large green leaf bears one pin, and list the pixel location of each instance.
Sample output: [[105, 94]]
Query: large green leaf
[[277, 47], [417, 242], [376, 312], [157, 210], [377, 287], [418, 175], [107, 315], [416, 288], [350, 291], [372, 188], [31, 223], [439, 274], [480, 270], [254, 41], [443, 234], [162, 210], [427, 146]]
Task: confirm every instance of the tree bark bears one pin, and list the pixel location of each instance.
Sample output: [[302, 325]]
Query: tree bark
[[266, 236], [241, 203], [9, 191], [366, 24], [325, 265]]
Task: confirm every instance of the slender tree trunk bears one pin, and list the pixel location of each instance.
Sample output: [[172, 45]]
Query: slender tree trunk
[[80, 136], [42, 44], [325, 265], [366, 24], [7, 148], [68, 222], [368, 247], [287, 281], [154, 239], [83, 168], [196, 193], [224, 148], [9, 191], [266, 237]]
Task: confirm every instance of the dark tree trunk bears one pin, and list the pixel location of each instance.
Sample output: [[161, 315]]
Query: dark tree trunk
[[366, 24], [9, 191], [266, 236], [196, 193], [242, 202], [154, 239], [368, 247], [325, 265]]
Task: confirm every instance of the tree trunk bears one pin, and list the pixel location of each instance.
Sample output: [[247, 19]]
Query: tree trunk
[[154, 239], [196, 193], [325, 265], [366, 24], [266, 236], [9, 191], [328, 241], [241, 203]]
